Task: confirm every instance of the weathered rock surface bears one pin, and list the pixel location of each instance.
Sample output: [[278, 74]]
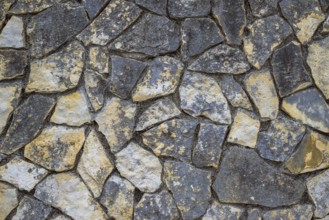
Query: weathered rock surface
[[12, 35], [93, 7], [156, 6], [56, 148], [190, 188], [254, 214], [324, 4], [223, 211], [4, 7], [95, 86], [8, 198], [188, 8], [98, 59], [30, 6], [31, 209], [325, 26], [261, 8], [302, 212], [12, 63], [201, 95], [140, 167], [259, 183], [59, 217]]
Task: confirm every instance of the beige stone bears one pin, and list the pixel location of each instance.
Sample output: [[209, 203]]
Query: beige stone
[[8, 198], [12, 35], [98, 59], [223, 211], [299, 211]]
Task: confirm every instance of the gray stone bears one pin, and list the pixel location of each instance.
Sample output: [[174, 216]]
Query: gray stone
[[31, 209], [188, 8], [59, 217], [221, 59], [156, 6], [198, 34], [30, 6], [172, 138], [12, 35], [262, 8], [190, 188], [95, 85], [93, 7], [2, 157], [301, 212], [223, 211], [12, 63], [98, 59], [325, 26], [8, 198], [4, 7], [324, 4], [28, 119], [259, 183], [254, 214]]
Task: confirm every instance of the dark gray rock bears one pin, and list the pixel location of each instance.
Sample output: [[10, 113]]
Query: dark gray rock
[[188, 8], [299, 211], [93, 6], [31, 209], [261, 8], [223, 211], [198, 34], [157, 6], [30, 6], [28, 119], [95, 85], [12, 63], [190, 187], [245, 178], [324, 4]]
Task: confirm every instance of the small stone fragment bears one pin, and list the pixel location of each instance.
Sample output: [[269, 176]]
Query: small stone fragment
[[58, 72], [162, 78], [116, 121], [156, 6], [161, 110], [31, 209], [188, 8], [223, 211], [140, 167], [258, 182], [68, 193], [254, 214], [190, 188], [199, 34], [262, 8], [8, 198], [325, 26], [28, 120], [124, 75], [303, 16], [308, 106], [200, 95], [95, 85], [221, 59], [289, 72], [173, 138], [30, 6], [12, 35], [56, 148], [265, 35], [94, 166], [98, 59], [302, 212], [12, 63], [244, 130], [261, 89], [93, 6], [22, 174]]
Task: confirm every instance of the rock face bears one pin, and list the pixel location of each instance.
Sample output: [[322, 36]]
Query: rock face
[[188, 8], [95, 86], [304, 212], [157, 6], [223, 211], [12, 35], [259, 183], [98, 59], [31, 209], [30, 6], [4, 7], [261, 8], [93, 7], [12, 63], [8, 198]]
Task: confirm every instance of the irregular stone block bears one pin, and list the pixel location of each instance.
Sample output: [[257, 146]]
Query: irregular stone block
[[93, 6], [12, 35], [302, 212], [223, 211], [30, 6], [8, 198], [4, 7], [156, 6], [95, 86], [98, 59], [188, 8], [262, 8], [31, 209], [12, 63]]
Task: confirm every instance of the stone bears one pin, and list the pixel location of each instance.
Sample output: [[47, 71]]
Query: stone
[[262, 8], [8, 198], [231, 15], [208, 149], [325, 26], [12, 35], [289, 72], [309, 107], [22, 174], [66, 192], [30, 6], [303, 16], [261, 89], [118, 197], [140, 167], [51, 28], [302, 212], [94, 166], [158, 206], [124, 75], [57, 72], [280, 140], [110, 23], [56, 148], [199, 34], [162, 78], [259, 183], [317, 51], [190, 187], [116, 121], [28, 120], [324, 4], [221, 59], [72, 109], [151, 35], [172, 138], [156, 6], [98, 59], [4, 7], [254, 214], [2, 157], [201, 95], [188, 8], [264, 36], [93, 7], [161, 110], [95, 86], [31, 209], [244, 130], [59, 217], [223, 211], [12, 63]]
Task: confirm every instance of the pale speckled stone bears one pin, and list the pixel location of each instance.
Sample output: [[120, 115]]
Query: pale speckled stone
[[12, 63], [299, 211], [98, 59], [12, 35], [188, 8], [262, 8], [30, 208], [95, 86], [8, 198], [30, 6], [223, 211]]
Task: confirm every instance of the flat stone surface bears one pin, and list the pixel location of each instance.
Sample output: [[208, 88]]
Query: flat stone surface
[[30, 6], [173, 138], [199, 34], [95, 86], [93, 7], [8, 198], [98, 59], [162, 78], [28, 120], [231, 15], [309, 107], [12, 63], [201, 95], [223, 211], [156, 6], [303, 212], [262, 8], [56, 148], [259, 183], [116, 121], [31, 209], [22, 174], [265, 35], [190, 188], [188, 8], [140, 167], [12, 34], [57, 72], [289, 72], [221, 59]]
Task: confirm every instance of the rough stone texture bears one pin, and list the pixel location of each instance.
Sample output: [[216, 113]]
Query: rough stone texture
[[12, 63], [8, 198], [173, 138], [223, 211], [60, 217], [95, 86], [56, 148], [262, 8], [190, 188], [30, 6], [188, 8], [201, 95], [156, 6], [254, 214], [4, 7], [259, 183], [12, 35], [31, 209], [93, 7], [324, 4], [302, 212], [325, 26], [98, 59], [140, 167]]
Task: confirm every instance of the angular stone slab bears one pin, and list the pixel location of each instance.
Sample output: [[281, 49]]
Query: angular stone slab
[[262, 8], [188, 8], [223, 211], [156, 6], [8, 198], [30, 6], [259, 183], [12, 63], [98, 59], [93, 7], [13, 35], [95, 86], [304, 211], [4, 7], [31, 209]]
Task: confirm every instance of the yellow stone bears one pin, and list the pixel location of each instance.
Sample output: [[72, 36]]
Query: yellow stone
[[8, 200]]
